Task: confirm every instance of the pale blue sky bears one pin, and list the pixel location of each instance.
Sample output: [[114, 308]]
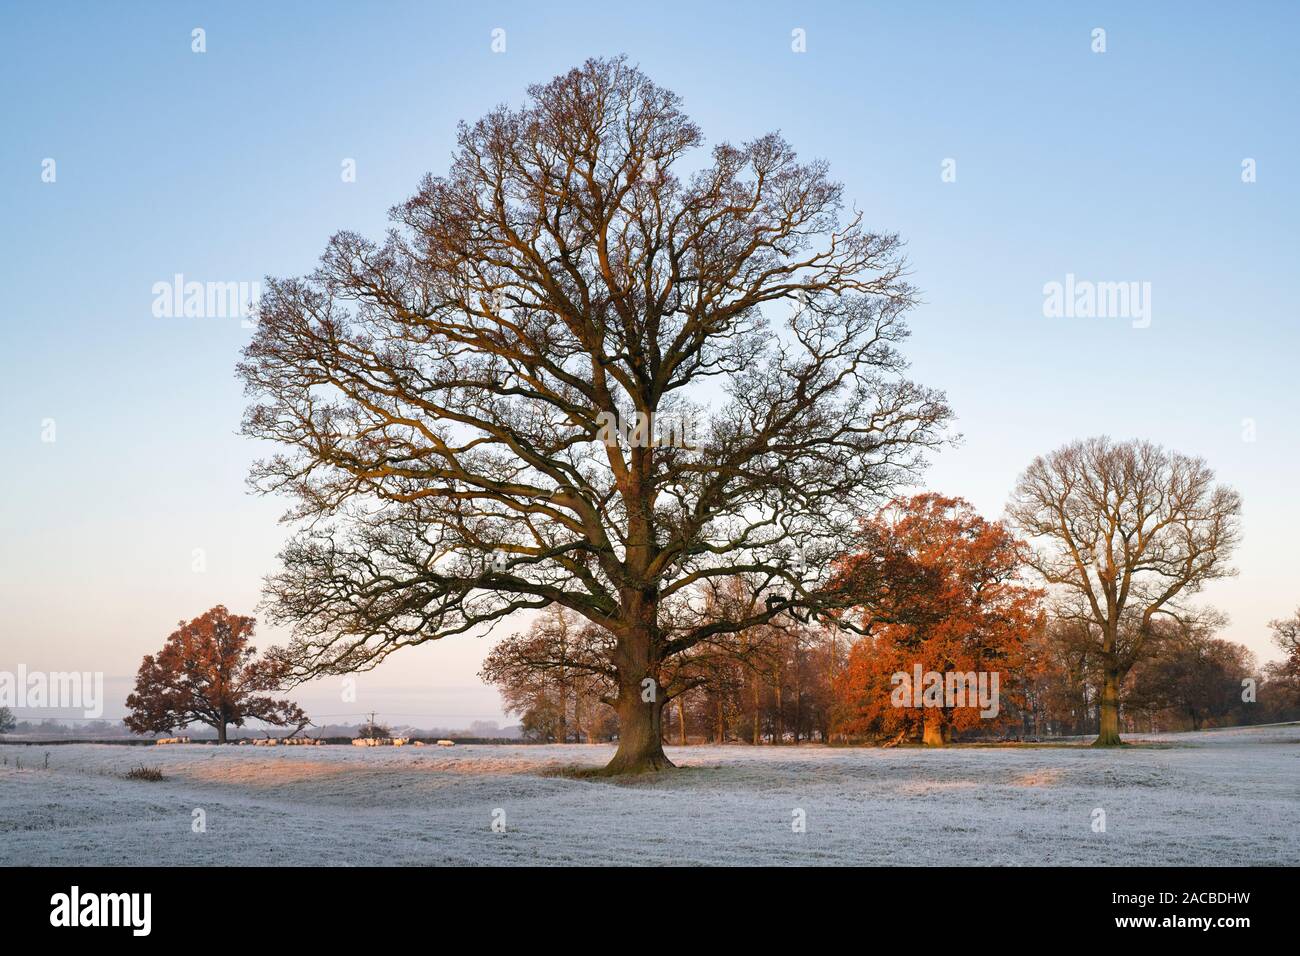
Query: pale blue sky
[[225, 166]]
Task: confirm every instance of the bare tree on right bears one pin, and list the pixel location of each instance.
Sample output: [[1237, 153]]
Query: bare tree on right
[[1127, 531]]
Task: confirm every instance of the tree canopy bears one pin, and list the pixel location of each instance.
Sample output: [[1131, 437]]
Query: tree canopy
[[208, 673], [573, 375]]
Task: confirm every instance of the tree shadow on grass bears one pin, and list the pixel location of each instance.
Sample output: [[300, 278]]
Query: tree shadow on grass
[[601, 775]]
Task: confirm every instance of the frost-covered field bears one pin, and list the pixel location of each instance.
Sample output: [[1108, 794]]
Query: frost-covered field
[[1221, 797]]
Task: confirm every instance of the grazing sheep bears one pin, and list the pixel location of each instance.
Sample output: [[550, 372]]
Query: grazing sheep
[[446, 743]]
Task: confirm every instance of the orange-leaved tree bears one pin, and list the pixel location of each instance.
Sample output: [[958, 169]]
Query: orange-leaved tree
[[945, 648], [207, 673]]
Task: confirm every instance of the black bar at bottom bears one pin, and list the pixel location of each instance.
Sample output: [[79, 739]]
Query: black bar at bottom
[[334, 906]]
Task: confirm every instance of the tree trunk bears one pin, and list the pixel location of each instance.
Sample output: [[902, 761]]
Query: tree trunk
[[640, 701], [640, 732], [779, 735], [722, 724], [936, 732], [221, 732], [681, 719], [798, 712], [1109, 733], [563, 735]]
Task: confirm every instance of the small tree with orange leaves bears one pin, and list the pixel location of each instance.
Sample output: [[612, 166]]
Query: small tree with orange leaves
[[963, 613], [207, 673]]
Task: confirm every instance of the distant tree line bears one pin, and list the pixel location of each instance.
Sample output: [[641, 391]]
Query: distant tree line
[[796, 683], [950, 592]]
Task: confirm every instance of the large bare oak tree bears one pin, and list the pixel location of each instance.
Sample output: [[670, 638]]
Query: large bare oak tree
[[1128, 531], [571, 375]]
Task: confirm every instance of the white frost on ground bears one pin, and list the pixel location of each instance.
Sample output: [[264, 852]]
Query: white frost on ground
[[1212, 798]]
